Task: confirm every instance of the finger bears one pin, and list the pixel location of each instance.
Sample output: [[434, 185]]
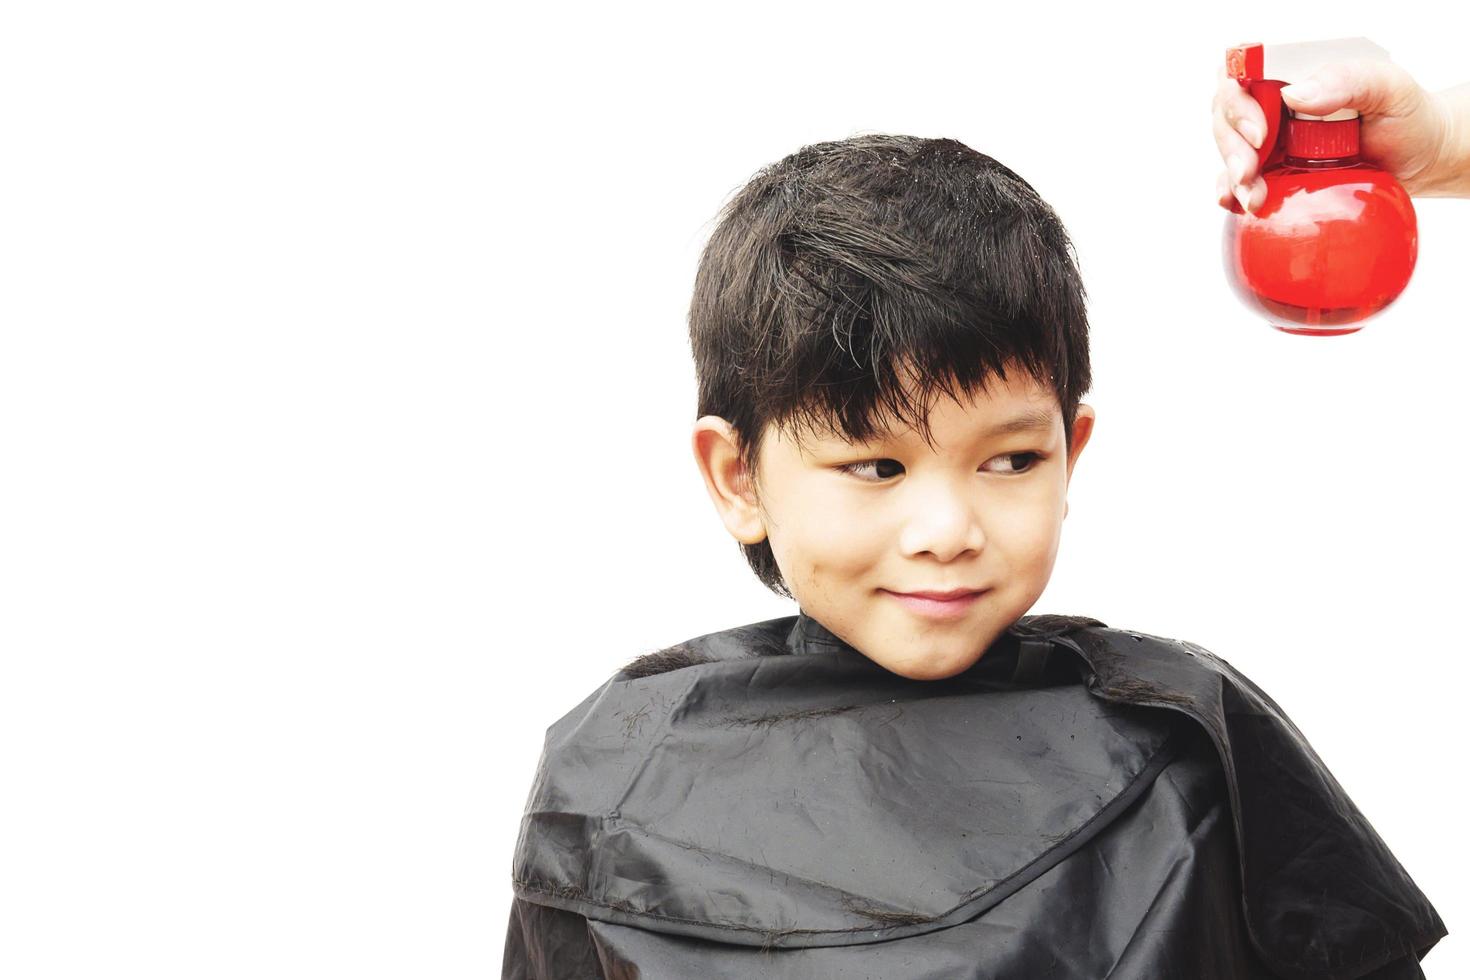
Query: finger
[[1241, 159], [1371, 86], [1243, 114], [1226, 88], [1225, 197], [1222, 83]]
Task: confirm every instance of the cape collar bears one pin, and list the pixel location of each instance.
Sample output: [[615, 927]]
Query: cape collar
[[1020, 652], [807, 635]]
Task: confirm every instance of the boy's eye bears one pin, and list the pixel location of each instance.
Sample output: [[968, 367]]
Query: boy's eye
[[853, 468], [894, 467]]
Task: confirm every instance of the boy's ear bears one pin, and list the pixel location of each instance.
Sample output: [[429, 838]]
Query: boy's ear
[[717, 452], [1081, 432]]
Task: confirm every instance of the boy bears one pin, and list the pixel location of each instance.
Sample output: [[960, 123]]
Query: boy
[[910, 777]]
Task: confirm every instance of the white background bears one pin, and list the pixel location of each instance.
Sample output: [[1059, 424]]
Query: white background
[[345, 401]]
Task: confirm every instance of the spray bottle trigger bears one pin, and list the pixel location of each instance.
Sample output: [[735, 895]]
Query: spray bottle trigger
[[1267, 94]]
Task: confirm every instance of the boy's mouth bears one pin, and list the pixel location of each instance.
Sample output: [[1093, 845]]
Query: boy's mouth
[[939, 605], [930, 594]]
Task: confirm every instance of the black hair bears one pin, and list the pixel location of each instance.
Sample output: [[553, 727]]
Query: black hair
[[851, 271]]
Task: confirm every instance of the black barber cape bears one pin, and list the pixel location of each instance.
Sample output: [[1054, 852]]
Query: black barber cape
[[1082, 803]]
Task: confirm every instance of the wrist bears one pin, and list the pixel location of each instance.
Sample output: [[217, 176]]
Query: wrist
[[1449, 174]]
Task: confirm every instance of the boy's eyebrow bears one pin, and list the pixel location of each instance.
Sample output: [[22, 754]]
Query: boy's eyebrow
[[1031, 420], [1025, 422]]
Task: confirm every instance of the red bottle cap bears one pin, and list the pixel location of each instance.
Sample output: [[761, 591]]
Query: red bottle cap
[[1322, 139]]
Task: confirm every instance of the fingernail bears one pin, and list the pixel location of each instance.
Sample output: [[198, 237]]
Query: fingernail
[[1243, 195], [1303, 91], [1237, 168], [1251, 132]]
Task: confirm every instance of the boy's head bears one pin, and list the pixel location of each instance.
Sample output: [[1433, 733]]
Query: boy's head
[[866, 312]]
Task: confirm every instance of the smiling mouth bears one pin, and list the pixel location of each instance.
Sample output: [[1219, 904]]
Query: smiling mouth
[[931, 608], [940, 596]]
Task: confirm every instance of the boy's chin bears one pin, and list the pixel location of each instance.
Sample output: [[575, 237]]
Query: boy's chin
[[930, 668], [930, 673]]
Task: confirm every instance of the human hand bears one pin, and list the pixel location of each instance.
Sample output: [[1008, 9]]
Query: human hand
[[1404, 128]]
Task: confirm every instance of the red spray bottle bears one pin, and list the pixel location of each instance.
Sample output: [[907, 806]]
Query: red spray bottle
[[1336, 239]]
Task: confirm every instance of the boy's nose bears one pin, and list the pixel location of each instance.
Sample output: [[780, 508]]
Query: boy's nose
[[944, 526]]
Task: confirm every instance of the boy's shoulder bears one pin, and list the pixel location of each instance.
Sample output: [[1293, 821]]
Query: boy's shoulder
[[736, 736], [768, 637], [785, 635]]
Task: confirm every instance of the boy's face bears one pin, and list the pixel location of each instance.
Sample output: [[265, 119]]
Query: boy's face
[[853, 527]]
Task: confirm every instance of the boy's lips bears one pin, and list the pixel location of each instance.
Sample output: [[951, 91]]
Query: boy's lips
[[951, 594], [957, 603]]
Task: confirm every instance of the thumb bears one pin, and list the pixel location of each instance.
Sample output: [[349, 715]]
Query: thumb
[[1370, 86]]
